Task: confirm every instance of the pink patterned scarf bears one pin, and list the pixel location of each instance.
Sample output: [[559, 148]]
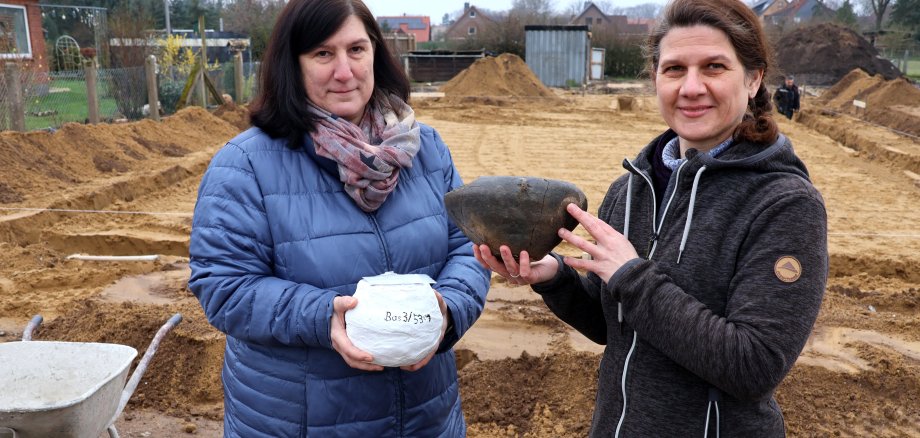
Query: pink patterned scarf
[[370, 155]]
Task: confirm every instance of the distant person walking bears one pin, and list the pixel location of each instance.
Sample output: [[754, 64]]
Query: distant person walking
[[787, 97]]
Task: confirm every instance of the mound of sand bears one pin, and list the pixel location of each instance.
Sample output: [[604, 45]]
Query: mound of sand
[[43, 162], [184, 375], [504, 75], [825, 53], [892, 103], [236, 115]]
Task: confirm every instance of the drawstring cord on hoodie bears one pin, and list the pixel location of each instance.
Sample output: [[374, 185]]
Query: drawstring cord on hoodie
[[683, 239], [714, 397], [625, 234]]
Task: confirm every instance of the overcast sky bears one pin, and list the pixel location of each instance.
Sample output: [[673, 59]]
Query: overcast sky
[[437, 8]]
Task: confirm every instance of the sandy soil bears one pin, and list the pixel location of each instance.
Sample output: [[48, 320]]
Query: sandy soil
[[524, 373]]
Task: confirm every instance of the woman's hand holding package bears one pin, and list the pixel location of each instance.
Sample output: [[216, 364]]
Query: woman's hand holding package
[[444, 323], [611, 251], [353, 356]]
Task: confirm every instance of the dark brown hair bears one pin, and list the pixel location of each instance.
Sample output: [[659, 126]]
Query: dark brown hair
[[743, 29], [280, 109]]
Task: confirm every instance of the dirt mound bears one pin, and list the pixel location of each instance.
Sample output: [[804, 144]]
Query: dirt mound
[[504, 75], [184, 376], [847, 88], [550, 395], [891, 103], [41, 162], [236, 115], [825, 53]]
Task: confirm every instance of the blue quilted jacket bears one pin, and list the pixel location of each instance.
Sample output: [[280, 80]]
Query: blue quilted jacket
[[274, 239]]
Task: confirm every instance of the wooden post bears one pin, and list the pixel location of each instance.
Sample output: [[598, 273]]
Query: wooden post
[[202, 90], [906, 62], [405, 59], [153, 98], [238, 77], [92, 97], [4, 120], [256, 69], [17, 106]]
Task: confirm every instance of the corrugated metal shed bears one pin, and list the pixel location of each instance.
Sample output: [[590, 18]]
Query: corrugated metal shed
[[558, 55]]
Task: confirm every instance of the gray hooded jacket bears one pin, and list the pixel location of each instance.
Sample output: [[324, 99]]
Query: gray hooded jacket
[[703, 327]]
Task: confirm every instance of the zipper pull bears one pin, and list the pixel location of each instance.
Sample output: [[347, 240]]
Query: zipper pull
[[620, 317], [651, 243]]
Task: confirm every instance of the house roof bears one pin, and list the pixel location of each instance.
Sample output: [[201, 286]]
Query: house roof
[[412, 22], [761, 7], [463, 18], [588, 7], [804, 9]]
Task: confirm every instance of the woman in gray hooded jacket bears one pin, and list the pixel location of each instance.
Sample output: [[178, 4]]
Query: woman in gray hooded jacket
[[709, 259]]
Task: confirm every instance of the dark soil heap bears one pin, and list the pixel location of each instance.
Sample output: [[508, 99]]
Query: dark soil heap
[[505, 75], [825, 53]]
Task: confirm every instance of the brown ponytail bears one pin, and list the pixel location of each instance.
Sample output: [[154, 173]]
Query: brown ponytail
[[758, 125]]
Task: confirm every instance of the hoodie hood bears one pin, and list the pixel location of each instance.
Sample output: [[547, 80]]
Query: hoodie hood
[[776, 157]]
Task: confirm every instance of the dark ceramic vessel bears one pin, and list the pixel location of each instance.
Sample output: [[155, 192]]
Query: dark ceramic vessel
[[524, 213]]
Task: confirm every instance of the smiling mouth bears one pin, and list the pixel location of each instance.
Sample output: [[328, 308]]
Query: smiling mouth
[[694, 111]]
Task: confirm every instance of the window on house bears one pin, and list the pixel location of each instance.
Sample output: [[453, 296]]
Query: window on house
[[472, 31], [472, 14], [14, 32], [588, 21]]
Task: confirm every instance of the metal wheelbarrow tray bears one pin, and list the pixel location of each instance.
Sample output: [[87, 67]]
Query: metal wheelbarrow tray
[[67, 389]]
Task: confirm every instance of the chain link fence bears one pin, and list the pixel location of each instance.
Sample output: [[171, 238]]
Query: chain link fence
[[904, 54], [49, 100]]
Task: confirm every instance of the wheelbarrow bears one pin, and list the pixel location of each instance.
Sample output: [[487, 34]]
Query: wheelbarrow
[[67, 389]]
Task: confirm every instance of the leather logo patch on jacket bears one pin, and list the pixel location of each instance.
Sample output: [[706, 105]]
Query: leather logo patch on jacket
[[787, 269]]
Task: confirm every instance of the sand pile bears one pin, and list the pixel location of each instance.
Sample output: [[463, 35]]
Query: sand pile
[[892, 103], [40, 162], [547, 396], [236, 115], [184, 376], [825, 53], [504, 75]]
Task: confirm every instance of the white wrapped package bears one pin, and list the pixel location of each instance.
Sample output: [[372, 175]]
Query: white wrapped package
[[397, 318]]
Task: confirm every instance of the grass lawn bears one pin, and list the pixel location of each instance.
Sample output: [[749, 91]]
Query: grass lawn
[[913, 69], [65, 103]]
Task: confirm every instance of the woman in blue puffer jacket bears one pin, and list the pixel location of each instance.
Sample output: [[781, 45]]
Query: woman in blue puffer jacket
[[336, 181]]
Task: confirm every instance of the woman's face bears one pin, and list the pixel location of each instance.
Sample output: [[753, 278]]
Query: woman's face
[[339, 73], [702, 87]]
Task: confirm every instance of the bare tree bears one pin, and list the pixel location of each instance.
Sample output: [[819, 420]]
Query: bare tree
[[533, 11], [254, 18], [644, 10], [574, 8], [535, 6], [878, 7]]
